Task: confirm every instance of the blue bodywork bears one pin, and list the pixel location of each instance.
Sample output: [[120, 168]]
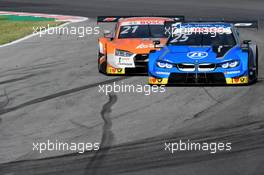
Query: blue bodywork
[[175, 55]]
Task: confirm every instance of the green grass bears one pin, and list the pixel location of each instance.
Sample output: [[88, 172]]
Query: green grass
[[25, 18], [11, 30]]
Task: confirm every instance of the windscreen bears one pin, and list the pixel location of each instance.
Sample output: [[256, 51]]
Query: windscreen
[[197, 36], [142, 31]]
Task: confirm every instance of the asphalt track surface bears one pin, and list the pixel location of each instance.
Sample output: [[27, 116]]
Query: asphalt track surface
[[49, 90]]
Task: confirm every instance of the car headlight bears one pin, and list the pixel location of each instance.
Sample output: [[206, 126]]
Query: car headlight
[[123, 53], [164, 65], [230, 64], [233, 64], [101, 47], [225, 65]]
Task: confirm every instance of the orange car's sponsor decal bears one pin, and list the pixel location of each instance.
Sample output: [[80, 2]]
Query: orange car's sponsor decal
[[112, 70], [135, 46], [141, 22], [152, 22], [145, 46]]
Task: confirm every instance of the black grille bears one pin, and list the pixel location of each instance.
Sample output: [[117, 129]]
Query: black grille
[[137, 70], [207, 66], [141, 65], [141, 57], [193, 78], [186, 66], [141, 60]]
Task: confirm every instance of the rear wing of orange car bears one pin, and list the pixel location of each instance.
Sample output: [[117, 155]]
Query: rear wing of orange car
[[109, 19]]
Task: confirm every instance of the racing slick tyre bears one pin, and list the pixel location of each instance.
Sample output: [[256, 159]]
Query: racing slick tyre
[[253, 66], [257, 64], [102, 66]]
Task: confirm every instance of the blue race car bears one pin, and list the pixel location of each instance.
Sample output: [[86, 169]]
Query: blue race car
[[204, 53]]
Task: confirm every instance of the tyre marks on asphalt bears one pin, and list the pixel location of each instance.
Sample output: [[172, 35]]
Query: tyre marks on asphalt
[[59, 94], [30, 69], [146, 154], [218, 102], [107, 137], [5, 101], [210, 95], [152, 155], [16, 79]]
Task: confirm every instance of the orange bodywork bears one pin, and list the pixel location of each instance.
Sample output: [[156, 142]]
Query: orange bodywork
[[136, 46]]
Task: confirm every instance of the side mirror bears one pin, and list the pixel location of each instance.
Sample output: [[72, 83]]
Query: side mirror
[[107, 34], [245, 45], [156, 43], [246, 41]]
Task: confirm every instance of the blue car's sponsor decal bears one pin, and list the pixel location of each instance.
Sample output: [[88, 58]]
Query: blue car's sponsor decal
[[197, 55]]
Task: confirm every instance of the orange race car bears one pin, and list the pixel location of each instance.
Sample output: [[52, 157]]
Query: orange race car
[[126, 50]]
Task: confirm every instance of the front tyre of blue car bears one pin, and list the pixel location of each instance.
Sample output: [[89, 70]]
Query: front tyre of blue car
[[253, 66]]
